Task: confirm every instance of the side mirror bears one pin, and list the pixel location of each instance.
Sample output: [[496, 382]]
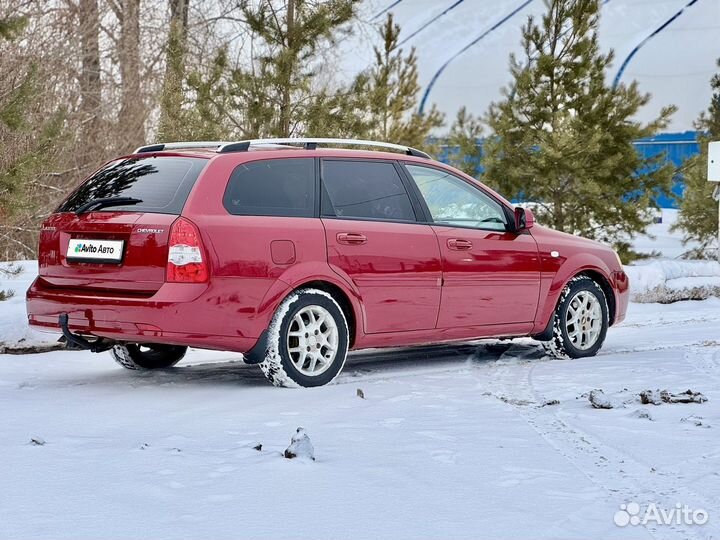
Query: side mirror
[[524, 219]]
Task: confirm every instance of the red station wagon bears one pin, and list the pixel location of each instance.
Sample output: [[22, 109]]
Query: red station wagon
[[292, 253]]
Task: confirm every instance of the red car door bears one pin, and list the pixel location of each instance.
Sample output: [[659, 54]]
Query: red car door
[[374, 239], [491, 275]]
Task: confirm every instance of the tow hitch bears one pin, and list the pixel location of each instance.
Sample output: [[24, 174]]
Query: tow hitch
[[75, 341]]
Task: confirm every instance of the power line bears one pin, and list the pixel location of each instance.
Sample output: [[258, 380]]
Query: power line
[[428, 23], [648, 38], [395, 3], [466, 47]]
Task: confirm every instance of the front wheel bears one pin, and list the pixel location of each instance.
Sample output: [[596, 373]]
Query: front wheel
[[307, 340], [151, 356], [580, 321]]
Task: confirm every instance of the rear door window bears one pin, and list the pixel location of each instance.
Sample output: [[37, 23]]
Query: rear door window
[[364, 190], [161, 183], [272, 187]]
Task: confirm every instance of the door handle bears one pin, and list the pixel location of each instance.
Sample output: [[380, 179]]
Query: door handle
[[351, 239], [459, 244]]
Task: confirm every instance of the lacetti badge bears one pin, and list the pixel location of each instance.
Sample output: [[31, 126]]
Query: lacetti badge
[[95, 249]]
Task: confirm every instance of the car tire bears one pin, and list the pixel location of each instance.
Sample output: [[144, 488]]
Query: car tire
[[580, 321], [307, 340], [136, 356]]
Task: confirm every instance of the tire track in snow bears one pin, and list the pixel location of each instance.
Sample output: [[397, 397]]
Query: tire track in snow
[[663, 323], [649, 348], [705, 361], [624, 477], [386, 364]]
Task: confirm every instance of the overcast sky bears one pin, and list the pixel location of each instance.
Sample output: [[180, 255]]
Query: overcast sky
[[675, 65]]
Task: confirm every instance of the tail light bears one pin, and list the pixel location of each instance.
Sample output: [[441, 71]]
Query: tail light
[[185, 256]]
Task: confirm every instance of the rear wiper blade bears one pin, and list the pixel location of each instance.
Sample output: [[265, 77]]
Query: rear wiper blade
[[96, 204]]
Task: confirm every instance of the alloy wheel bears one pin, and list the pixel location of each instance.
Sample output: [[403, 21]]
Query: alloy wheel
[[312, 340], [584, 320]]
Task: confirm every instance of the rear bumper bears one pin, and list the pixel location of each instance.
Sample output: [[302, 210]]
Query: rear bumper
[[176, 314]]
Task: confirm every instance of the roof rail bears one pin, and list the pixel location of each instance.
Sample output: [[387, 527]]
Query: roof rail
[[178, 146], [223, 147], [311, 143]]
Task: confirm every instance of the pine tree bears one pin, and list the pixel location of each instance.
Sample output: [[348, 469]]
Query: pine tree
[[391, 88], [464, 150], [279, 94], [206, 120], [280, 89], [562, 138], [698, 216], [339, 113]]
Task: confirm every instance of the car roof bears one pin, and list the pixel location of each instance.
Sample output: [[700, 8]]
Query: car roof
[[284, 152], [277, 151]]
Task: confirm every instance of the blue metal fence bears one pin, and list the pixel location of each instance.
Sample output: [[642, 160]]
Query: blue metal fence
[[677, 147]]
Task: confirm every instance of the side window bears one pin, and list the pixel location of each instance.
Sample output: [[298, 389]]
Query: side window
[[453, 201], [365, 189], [272, 187]]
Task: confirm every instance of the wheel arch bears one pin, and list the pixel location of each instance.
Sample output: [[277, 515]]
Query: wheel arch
[[320, 277], [596, 272], [350, 308], [604, 284], [340, 297]]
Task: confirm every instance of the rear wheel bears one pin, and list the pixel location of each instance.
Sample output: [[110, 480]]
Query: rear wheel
[[307, 340], [150, 356], [580, 321]]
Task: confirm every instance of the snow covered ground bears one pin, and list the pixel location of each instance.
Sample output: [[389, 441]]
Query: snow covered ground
[[449, 442], [490, 440]]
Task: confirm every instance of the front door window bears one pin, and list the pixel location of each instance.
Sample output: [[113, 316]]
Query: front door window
[[452, 201]]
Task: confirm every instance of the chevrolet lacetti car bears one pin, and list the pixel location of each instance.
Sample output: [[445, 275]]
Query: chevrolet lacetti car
[[292, 252]]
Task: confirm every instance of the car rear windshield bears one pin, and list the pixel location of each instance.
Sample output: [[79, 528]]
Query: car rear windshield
[[162, 183]]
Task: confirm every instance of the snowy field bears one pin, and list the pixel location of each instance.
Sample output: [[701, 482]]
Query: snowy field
[[480, 440], [449, 442]]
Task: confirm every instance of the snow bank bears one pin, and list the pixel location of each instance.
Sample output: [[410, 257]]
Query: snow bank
[[15, 334], [669, 281]]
